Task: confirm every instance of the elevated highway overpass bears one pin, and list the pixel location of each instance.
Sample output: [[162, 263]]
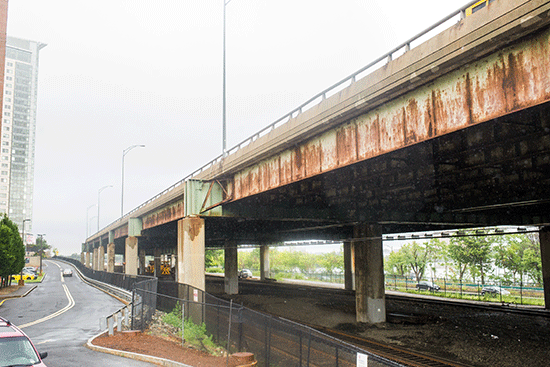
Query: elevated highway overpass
[[453, 132]]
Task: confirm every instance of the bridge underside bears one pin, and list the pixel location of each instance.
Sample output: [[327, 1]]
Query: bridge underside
[[494, 173]]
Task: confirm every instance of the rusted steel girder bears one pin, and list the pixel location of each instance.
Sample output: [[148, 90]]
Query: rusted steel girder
[[506, 81]]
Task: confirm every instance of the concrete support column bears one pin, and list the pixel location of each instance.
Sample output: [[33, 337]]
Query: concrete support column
[[544, 237], [131, 256], [94, 258], [349, 266], [190, 269], [231, 280], [83, 258], [156, 262], [111, 257], [101, 258], [87, 260], [265, 270], [370, 298], [142, 255]]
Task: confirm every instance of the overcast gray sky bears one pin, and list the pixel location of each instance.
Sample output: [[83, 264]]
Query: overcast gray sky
[[121, 72]]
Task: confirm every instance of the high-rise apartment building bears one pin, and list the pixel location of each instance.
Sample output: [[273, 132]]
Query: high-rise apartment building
[[17, 142]]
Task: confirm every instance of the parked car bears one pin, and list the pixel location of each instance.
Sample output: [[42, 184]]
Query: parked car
[[67, 273], [26, 276], [245, 274], [427, 286], [30, 269], [494, 290], [16, 347]]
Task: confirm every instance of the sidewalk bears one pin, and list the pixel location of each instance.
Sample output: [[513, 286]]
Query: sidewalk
[[15, 291]]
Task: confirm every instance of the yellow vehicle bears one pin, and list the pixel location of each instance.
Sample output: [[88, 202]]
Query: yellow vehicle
[[26, 276], [477, 6]]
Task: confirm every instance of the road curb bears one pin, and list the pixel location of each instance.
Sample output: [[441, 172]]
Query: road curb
[[18, 296], [131, 355]]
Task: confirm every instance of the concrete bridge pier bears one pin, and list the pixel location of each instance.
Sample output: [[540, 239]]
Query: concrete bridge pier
[[94, 258], [370, 298], [111, 257], [544, 237], [142, 265], [231, 278], [157, 254], [190, 252], [349, 266], [101, 258], [87, 259], [265, 270]]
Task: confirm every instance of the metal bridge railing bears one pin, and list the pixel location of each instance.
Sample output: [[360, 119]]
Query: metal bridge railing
[[313, 101]]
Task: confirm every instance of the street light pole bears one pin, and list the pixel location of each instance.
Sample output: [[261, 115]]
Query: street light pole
[[98, 195], [24, 240], [225, 2], [124, 152]]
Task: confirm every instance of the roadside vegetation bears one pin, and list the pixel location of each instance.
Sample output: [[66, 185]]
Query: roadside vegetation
[[12, 251], [195, 336]]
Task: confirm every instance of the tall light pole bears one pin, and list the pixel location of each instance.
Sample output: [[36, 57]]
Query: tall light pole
[[87, 220], [124, 152], [98, 202], [24, 239], [41, 249], [225, 2]]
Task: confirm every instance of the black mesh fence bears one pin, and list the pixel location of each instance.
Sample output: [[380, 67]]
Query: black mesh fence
[[120, 280], [274, 341]]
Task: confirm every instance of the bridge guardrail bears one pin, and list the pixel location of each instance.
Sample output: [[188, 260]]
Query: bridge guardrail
[[387, 57]]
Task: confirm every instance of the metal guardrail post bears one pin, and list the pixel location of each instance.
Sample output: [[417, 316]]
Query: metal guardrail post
[[110, 325]]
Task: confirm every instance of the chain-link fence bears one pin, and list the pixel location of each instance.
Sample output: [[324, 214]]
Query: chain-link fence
[[512, 293], [274, 341]]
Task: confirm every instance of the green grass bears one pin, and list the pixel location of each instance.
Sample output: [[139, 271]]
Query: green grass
[[194, 334]]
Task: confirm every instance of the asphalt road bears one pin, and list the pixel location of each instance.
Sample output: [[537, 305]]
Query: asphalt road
[[60, 315]]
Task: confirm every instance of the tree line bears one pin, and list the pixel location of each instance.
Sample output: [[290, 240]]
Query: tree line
[[284, 261], [12, 251], [471, 256]]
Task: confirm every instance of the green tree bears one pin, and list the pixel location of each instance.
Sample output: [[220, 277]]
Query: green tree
[[519, 254], [12, 251], [214, 258], [473, 251], [331, 261], [396, 264], [416, 257]]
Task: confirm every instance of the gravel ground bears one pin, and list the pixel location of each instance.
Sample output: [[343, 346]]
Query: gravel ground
[[471, 337]]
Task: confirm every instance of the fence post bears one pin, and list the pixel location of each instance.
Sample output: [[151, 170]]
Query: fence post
[[133, 307], [240, 343], [110, 325]]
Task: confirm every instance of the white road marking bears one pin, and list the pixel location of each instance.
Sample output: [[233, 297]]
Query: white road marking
[[55, 314]]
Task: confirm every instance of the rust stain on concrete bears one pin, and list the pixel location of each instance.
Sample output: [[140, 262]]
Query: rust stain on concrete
[[512, 79], [194, 227]]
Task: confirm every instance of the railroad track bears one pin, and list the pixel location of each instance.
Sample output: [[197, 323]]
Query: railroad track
[[400, 355]]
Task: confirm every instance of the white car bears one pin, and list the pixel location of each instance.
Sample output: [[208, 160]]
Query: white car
[[67, 273], [245, 274]]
